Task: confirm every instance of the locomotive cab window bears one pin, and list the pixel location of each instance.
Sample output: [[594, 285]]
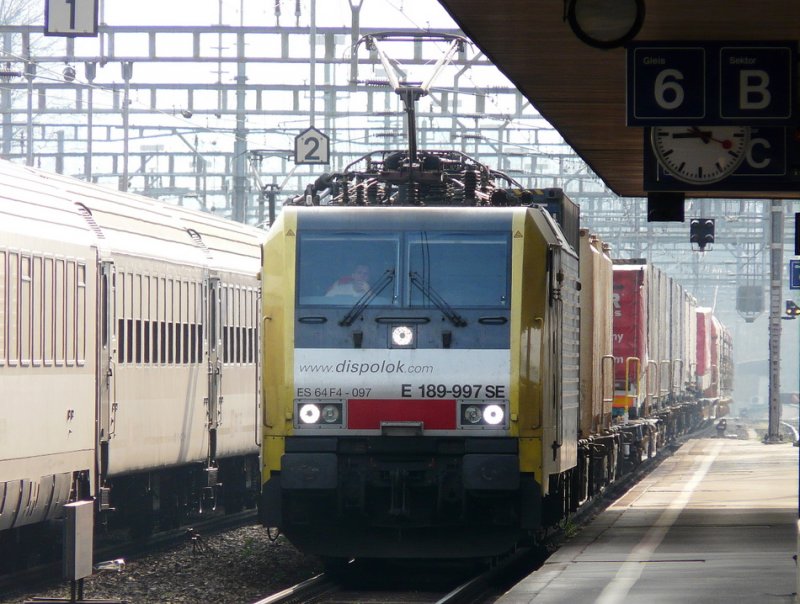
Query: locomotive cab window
[[464, 269], [337, 269]]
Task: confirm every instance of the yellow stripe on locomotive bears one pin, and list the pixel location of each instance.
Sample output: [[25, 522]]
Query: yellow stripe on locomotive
[[278, 276]]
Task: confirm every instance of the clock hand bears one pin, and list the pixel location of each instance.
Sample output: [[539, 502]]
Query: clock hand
[[704, 135], [693, 134]]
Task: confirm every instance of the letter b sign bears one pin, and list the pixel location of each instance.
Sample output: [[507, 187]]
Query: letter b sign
[[755, 83]]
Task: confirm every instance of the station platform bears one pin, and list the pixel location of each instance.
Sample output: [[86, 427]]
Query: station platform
[[715, 522]]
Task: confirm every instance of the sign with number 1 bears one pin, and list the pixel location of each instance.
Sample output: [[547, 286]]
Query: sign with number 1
[[70, 18]]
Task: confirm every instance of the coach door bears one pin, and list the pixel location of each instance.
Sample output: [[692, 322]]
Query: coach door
[[214, 400], [107, 343]]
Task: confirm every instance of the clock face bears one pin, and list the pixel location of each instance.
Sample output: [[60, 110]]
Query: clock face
[[700, 154]]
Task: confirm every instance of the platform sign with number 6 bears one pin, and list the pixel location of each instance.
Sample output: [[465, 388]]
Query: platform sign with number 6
[[311, 147], [668, 84], [711, 83]]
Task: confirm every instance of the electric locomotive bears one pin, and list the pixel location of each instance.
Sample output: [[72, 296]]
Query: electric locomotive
[[435, 411]]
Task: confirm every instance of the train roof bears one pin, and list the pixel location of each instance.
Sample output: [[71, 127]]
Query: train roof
[[53, 206], [403, 217]]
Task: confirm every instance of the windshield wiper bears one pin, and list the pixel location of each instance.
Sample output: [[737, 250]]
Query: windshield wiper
[[368, 297], [432, 295]]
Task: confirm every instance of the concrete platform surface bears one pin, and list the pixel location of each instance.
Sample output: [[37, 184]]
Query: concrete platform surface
[[715, 522]]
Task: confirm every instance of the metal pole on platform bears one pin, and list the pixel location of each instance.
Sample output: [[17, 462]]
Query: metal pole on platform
[[127, 74], [239, 209], [30, 73], [91, 74], [775, 293], [312, 62]]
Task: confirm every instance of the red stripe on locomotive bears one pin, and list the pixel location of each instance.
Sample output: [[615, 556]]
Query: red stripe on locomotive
[[435, 414]]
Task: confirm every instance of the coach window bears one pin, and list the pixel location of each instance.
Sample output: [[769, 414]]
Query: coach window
[[25, 309], [196, 328], [13, 309], [49, 311], [3, 308], [146, 331], [130, 297], [183, 331], [251, 321], [166, 325], [227, 326], [125, 334], [237, 321], [69, 319], [188, 318], [60, 302], [223, 322], [231, 324], [153, 316], [180, 315], [80, 313], [163, 336], [38, 310], [201, 335], [464, 269], [328, 258]]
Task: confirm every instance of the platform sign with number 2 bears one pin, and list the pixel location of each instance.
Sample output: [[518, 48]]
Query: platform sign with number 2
[[311, 147]]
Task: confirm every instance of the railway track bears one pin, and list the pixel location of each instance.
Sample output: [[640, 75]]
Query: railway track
[[358, 583], [421, 582], [325, 590], [116, 551]]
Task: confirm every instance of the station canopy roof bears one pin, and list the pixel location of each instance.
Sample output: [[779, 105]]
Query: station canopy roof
[[581, 90]]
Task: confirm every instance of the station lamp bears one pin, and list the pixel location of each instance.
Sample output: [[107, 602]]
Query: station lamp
[[605, 23]]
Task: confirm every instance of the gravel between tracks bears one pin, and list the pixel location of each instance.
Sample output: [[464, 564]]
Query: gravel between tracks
[[235, 567]]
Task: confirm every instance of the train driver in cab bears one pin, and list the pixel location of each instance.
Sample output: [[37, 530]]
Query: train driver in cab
[[355, 284]]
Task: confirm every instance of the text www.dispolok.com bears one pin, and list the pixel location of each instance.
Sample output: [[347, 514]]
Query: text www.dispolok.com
[[360, 368]]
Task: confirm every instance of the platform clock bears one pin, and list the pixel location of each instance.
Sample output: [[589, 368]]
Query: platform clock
[[700, 155], [605, 23]]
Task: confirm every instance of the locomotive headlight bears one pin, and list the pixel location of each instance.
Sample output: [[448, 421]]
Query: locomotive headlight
[[316, 414], [331, 414], [402, 336], [309, 413], [482, 415], [493, 414], [472, 414]]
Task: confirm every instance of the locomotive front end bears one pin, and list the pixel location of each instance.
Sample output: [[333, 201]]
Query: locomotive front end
[[390, 397]]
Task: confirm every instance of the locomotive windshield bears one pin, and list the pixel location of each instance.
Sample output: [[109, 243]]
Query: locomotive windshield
[[464, 269], [337, 268]]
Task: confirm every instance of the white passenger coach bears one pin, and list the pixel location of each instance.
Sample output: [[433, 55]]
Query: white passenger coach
[[128, 352]]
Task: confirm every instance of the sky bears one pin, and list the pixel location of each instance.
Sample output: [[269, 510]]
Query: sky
[[406, 14], [330, 13]]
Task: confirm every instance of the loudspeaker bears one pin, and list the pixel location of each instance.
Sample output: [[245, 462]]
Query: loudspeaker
[[665, 206]]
